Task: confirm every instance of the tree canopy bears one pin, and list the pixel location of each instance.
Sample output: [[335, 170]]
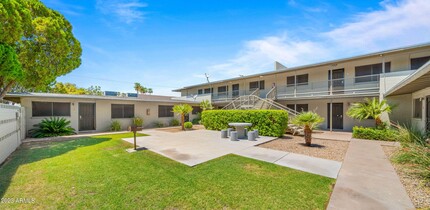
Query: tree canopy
[[70, 88], [10, 67], [43, 41], [142, 89]]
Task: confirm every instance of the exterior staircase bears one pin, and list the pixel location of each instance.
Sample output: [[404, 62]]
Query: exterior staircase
[[254, 102]]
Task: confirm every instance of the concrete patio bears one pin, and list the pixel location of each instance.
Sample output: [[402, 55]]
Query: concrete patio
[[198, 146]]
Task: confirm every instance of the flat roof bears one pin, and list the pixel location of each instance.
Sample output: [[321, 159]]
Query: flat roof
[[313, 65], [418, 80], [95, 97]]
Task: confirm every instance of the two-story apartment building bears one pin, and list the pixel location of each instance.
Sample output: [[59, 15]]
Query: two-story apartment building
[[328, 88]]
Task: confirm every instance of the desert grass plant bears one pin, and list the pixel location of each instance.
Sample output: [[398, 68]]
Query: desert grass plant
[[206, 105], [51, 127], [370, 109], [174, 122], [308, 120], [158, 124], [115, 125], [137, 121], [182, 110]]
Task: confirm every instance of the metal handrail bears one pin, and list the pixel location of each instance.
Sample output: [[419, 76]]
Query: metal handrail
[[271, 92]]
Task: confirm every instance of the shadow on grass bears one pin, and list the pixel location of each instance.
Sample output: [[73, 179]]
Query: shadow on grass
[[36, 151]]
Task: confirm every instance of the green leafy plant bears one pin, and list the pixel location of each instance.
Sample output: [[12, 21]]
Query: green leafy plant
[[370, 109], [174, 122], [374, 133], [410, 134], [158, 124], [53, 126], [188, 125], [308, 120], [268, 122], [115, 125], [206, 105], [182, 110], [196, 121], [137, 121]]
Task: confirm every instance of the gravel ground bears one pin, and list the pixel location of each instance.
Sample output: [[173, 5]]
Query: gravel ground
[[419, 193], [327, 149], [176, 129]]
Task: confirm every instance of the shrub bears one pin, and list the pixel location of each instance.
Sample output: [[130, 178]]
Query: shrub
[[374, 133], [410, 134], [137, 121], [174, 122], [268, 122], [115, 125], [158, 124], [417, 157], [196, 121], [188, 125], [53, 126]]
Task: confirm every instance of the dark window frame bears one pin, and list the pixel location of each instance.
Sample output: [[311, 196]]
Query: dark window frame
[[418, 108], [126, 111], [370, 72], [196, 110], [165, 111], [54, 109], [299, 80], [417, 63], [260, 84], [199, 91]]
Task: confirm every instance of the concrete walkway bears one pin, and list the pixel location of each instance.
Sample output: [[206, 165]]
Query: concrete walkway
[[367, 180], [196, 147]]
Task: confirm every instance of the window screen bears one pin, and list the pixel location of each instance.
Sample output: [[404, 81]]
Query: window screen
[[200, 91], [301, 107], [222, 89], [253, 85], [416, 63], [48, 109], [122, 110], [302, 79], [291, 81], [418, 104], [196, 109], [165, 111], [369, 73]]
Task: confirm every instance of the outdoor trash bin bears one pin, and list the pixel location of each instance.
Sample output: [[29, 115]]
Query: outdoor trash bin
[[229, 130], [256, 133], [224, 134], [251, 135], [233, 136]]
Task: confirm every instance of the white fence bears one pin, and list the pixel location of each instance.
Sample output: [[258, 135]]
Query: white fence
[[12, 129]]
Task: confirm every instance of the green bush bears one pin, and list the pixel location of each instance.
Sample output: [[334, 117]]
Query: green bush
[[268, 122], [174, 122], [115, 125], [53, 126], [196, 121], [188, 125], [137, 121], [158, 124], [374, 133]]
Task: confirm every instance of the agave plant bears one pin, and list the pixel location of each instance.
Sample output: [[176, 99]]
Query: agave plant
[[308, 120], [53, 126]]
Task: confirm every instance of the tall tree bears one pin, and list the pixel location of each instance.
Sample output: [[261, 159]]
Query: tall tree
[[150, 91], [137, 87], [43, 41], [182, 110], [10, 68]]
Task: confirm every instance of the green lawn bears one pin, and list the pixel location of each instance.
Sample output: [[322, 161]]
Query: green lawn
[[97, 173]]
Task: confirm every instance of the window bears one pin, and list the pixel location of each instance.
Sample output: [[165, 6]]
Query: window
[[291, 81], [302, 79], [122, 110], [196, 109], [369, 73], [200, 91], [298, 107], [48, 109], [257, 85], [222, 89], [165, 111], [208, 90], [416, 63], [418, 104]]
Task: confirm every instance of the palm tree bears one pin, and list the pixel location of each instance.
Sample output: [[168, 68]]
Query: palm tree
[[150, 91], [308, 120], [144, 90], [182, 109], [206, 105], [137, 87], [369, 109]]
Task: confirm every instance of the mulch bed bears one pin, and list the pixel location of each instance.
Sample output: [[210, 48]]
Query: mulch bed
[[179, 129], [327, 149]]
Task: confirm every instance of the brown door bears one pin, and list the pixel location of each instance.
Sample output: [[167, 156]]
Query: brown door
[[337, 116], [87, 116], [338, 80]]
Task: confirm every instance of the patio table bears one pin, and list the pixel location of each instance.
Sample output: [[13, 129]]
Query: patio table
[[240, 128]]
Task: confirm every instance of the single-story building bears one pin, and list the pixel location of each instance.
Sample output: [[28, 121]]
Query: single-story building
[[88, 113]]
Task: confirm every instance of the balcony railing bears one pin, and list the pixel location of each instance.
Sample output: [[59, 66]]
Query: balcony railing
[[346, 86]]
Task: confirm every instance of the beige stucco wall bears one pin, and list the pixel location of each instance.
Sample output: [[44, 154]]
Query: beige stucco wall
[[422, 94], [103, 112], [402, 111]]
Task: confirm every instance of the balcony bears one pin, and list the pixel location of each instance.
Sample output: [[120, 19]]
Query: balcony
[[363, 85]]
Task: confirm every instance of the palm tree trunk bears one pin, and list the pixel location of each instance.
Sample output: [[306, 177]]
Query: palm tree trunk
[[308, 135], [182, 121], [378, 121]]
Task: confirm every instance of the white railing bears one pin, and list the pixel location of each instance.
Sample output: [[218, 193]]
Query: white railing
[[271, 94]]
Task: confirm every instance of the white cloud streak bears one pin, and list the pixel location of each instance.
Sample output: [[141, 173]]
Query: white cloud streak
[[127, 11], [395, 25]]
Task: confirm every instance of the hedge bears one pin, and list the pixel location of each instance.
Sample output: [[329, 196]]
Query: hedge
[[374, 133], [268, 122]]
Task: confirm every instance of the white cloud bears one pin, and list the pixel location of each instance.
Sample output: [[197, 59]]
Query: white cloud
[[395, 25], [127, 11]]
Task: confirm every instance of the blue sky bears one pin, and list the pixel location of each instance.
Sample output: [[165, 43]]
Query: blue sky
[[168, 44]]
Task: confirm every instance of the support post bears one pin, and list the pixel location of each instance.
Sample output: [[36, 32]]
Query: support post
[[331, 115]]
